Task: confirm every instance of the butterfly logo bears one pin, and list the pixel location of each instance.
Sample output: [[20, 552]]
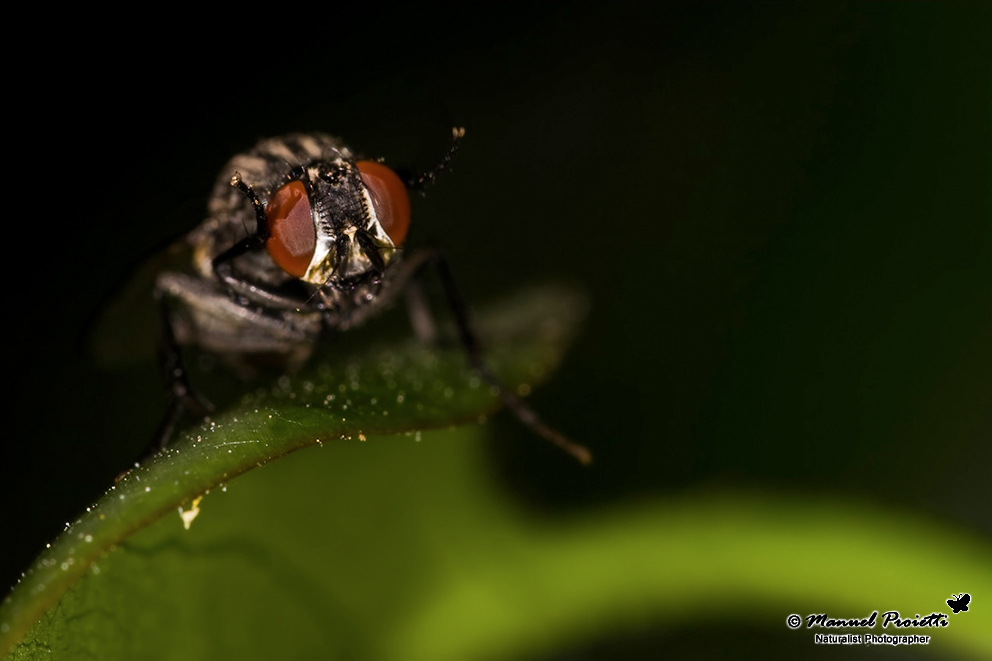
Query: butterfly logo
[[960, 602]]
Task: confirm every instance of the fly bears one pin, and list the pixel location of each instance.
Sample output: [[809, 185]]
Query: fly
[[303, 237]]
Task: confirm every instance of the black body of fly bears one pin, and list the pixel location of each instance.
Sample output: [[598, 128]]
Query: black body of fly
[[303, 236]]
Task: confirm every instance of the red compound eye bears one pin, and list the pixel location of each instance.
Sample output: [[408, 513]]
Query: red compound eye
[[389, 197], [292, 237]]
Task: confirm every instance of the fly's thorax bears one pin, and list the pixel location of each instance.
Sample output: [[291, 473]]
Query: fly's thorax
[[266, 167]]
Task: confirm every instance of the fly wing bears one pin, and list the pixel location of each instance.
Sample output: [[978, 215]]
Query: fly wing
[[125, 328]]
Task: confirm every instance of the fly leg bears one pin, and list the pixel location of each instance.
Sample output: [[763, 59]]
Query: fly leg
[[421, 318], [182, 397], [424, 326]]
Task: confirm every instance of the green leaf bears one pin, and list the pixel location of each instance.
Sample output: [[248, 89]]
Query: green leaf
[[402, 389], [393, 549]]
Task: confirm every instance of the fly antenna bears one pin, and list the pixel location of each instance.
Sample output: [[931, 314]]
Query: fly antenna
[[425, 179]]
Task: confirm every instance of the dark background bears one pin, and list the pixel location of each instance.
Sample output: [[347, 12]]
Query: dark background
[[780, 213]]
